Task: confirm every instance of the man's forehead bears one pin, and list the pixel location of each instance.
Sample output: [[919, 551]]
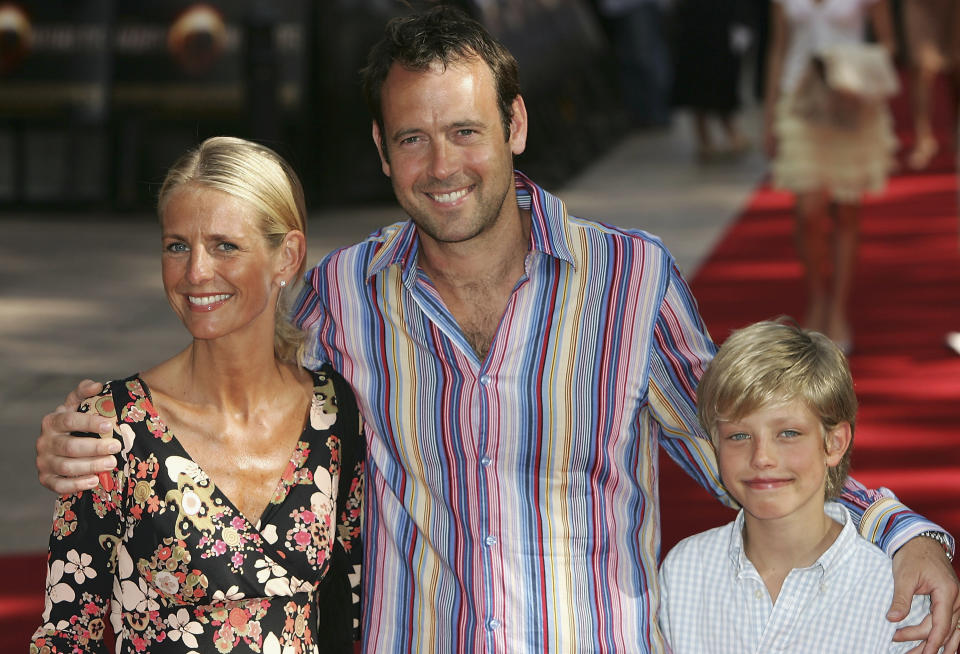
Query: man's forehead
[[437, 85]]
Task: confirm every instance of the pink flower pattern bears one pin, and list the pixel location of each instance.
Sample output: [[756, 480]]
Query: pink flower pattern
[[194, 590]]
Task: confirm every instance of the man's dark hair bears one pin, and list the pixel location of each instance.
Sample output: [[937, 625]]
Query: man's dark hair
[[442, 35]]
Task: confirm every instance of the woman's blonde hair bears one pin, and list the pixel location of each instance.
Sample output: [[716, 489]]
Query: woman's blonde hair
[[260, 177], [773, 362]]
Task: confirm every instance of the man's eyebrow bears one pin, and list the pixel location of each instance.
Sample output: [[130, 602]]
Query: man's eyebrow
[[467, 123], [458, 124]]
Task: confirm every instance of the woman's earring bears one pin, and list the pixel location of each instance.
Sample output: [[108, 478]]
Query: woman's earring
[[283, 284]]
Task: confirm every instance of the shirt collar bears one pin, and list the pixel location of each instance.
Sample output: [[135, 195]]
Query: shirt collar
[[828, 561], [549, 232]]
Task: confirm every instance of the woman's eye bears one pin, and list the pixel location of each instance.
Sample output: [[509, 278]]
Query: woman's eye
[[227, 247], [176, 247]]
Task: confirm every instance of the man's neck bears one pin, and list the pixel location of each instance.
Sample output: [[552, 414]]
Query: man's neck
[[476, 278], [494, 255]]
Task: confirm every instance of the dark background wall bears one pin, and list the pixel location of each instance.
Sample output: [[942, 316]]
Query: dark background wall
[[98, 97]]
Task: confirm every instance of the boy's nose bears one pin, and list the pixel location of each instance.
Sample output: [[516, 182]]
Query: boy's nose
[[763, 456]]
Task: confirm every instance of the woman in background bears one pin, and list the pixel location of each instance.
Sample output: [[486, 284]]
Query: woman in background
[[828, 168]]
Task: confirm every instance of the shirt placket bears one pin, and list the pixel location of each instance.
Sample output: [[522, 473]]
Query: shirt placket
[[486, 541], [799, 589], [492, 618]]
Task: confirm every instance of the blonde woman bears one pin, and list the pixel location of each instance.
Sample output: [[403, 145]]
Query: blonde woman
[[232, 516]]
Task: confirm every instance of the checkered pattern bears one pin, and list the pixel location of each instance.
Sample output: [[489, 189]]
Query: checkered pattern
[[713, 599]]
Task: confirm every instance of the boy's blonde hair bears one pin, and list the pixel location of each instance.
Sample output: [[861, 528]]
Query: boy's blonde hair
[[772, 362]]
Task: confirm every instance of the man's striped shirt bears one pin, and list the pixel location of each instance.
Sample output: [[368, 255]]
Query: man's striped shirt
[[511, 503]]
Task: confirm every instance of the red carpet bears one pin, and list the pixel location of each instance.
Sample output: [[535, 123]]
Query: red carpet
[[906, 297], [21, 599]]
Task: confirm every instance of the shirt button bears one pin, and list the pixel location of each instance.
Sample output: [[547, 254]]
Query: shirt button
[[490, 540], [758, 594], [485, 379], [493, 624], [485, 461]]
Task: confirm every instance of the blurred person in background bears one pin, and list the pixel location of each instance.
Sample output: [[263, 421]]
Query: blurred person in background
[[638, 31], [231, 517], [933, 46], [828, 166], [710, 40]]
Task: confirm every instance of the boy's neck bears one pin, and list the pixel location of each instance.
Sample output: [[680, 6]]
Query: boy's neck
[[775, 547]]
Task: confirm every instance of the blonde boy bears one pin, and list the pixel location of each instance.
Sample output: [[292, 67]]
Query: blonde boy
[[790, 574]]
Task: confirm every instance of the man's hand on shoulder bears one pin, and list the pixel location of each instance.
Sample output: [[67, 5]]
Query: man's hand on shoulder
[[921, 567], [67, 464]]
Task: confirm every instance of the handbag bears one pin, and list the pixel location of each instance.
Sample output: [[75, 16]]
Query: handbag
[[861, 69], [844, 82]]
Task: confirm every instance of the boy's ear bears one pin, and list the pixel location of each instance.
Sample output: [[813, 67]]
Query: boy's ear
[[837, 441]]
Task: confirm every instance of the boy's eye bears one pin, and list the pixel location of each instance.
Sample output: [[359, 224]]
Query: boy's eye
[[789, 433], [738, 436]]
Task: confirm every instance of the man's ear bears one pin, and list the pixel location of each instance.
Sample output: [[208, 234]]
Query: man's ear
[[518, 126], [381, 149], [837, 442]]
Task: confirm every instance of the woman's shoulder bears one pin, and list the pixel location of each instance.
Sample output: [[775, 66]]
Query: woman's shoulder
[[326, 374], [333, 402], [114, 392], [328, 383]]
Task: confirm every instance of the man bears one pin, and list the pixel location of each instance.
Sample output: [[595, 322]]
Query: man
[[516, 368]]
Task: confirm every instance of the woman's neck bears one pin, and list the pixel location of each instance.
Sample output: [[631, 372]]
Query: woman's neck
[[233, 375]]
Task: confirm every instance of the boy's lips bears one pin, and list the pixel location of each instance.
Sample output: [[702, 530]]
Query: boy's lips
[[766, 483]]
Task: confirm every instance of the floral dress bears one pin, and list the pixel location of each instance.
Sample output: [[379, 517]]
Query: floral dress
[[186, 571]]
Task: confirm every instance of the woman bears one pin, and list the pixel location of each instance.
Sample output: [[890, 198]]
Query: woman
[[827, 167], [238, 484]]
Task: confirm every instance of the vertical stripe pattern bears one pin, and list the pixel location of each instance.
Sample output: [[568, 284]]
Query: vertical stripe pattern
[[511, 503]]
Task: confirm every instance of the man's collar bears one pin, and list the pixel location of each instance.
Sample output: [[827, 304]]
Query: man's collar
[[550, 224], [549, 231]]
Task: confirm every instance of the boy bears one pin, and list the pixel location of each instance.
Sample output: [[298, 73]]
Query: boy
[[790, 574]]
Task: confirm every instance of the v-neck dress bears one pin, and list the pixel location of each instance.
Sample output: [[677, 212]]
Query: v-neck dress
[[185, 570]]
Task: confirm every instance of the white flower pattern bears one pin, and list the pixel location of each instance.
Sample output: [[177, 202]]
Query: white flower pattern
[[79, 566], [168, 586], [183, 629]]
